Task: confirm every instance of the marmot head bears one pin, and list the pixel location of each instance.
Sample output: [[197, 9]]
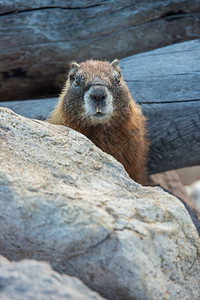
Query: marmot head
[[96, 92]]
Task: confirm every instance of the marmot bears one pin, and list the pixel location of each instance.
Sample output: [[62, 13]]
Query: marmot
[[96, 102]]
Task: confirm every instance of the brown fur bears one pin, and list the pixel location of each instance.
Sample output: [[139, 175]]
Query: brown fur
[[123, 134]]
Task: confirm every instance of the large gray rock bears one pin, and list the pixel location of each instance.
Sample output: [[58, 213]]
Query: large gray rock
[[30, 280], [65, 201]]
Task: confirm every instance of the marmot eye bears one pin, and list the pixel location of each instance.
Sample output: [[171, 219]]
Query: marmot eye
[[77, 81], [117, 80]]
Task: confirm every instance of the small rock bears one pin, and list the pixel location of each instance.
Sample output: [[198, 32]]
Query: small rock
[[30, 279]]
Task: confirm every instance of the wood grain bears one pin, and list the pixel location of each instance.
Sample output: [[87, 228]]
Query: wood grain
[[40, 38]]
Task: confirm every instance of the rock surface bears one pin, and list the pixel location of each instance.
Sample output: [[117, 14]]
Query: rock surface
[[188, 175], [65, 201], [171, 183], [194, 192], [31, 279]]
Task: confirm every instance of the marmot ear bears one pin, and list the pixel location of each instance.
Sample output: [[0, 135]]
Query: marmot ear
[[115, 65], [74, 66], [73, 71]]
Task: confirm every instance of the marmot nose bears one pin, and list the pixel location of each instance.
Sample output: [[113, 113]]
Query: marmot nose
[[98, 94]]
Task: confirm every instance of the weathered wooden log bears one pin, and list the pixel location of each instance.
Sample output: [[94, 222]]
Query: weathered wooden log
[[166, 84], [39, 38]]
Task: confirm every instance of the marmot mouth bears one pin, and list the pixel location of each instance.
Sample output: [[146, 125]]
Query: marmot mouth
[[99, 115]]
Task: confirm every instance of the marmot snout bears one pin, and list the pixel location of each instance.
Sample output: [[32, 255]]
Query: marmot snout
[[96, 102]]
